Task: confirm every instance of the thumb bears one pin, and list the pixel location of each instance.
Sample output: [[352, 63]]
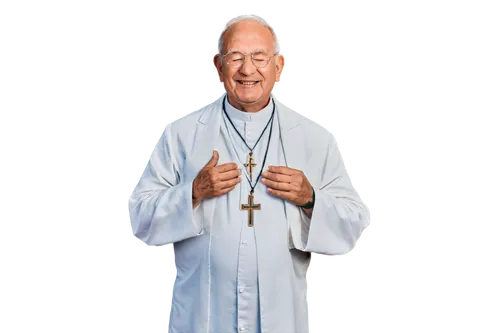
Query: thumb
[[213, 161]]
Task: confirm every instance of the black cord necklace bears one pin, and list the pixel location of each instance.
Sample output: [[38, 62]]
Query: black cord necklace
[[251, 206]]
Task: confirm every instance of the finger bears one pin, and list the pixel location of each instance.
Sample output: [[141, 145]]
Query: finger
[[228, 183], [213, 161], [281, 194], [227, 190], [226, 167], [278, 177], [229, 174], [283, 170], [278, 185]]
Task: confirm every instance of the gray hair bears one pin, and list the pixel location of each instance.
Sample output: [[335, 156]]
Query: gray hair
[[244, 18]]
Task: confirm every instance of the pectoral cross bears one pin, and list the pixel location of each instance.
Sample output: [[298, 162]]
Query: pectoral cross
[[250, 164], [250, 207]]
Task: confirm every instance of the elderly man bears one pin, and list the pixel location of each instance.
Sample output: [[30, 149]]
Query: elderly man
[[246, 189]]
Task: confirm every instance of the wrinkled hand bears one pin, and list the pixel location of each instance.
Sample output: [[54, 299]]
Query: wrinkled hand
[[215, 180], [287, 183]]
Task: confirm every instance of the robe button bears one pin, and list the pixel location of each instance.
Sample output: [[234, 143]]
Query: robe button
[[242, 328], [241, 290], [244, 242]]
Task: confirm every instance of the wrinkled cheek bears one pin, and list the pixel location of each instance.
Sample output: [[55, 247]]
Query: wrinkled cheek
[[232, 84]]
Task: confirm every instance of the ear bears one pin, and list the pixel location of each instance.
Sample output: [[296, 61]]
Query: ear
[[217, 63], [279, 62], [217, 66]]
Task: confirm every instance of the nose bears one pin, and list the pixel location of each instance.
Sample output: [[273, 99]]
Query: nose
[[248, 68]]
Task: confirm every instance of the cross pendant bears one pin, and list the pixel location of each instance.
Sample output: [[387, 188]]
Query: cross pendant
[[250, 164], [250, 207]]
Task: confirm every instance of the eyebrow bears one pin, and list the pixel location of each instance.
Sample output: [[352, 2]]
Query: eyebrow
[[256, 51]]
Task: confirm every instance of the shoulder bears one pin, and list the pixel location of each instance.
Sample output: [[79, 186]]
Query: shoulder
[[187, 124], [308, 126]]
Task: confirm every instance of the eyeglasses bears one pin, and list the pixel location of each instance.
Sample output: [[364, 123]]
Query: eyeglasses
[[237, 59]]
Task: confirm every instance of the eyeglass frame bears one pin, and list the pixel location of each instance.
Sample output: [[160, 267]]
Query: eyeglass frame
[[245, 58]]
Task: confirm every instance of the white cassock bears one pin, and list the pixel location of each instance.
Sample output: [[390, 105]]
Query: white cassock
[[231, 277]]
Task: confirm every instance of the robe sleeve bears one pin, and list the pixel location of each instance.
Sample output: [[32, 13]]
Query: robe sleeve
[[160, 207], [339, 216]]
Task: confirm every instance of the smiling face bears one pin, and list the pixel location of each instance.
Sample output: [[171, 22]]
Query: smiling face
[[248, 87]]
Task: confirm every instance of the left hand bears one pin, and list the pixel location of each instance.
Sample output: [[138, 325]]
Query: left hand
[[287, 183]]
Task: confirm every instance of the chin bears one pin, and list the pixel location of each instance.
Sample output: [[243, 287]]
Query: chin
[[248, 101], [248, 98]]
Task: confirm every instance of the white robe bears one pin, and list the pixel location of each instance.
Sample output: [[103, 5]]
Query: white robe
[[161, 213]]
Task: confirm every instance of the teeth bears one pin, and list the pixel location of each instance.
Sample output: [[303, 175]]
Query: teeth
[[249, 83]]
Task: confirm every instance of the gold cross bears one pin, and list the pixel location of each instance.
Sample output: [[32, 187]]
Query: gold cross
[[250, 164], [250, 207]]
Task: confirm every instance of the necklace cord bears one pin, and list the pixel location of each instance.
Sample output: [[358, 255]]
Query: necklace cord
[[271, 120]]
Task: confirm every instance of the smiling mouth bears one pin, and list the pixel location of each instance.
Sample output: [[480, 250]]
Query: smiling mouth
[[247, 83]]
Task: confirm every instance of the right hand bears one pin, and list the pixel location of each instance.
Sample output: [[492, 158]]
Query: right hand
[[215, 180]]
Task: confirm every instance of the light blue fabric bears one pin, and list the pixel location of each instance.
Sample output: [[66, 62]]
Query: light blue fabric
[[212, 261], [232, 148]]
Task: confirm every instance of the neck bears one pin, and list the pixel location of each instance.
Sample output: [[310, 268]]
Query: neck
[[252, 108]]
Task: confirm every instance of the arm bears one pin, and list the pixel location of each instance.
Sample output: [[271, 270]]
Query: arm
[[161, 209], [310, 205], [195, 202], [339, 216]]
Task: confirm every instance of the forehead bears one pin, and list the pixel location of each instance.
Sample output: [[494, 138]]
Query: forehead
[[248, 36]]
